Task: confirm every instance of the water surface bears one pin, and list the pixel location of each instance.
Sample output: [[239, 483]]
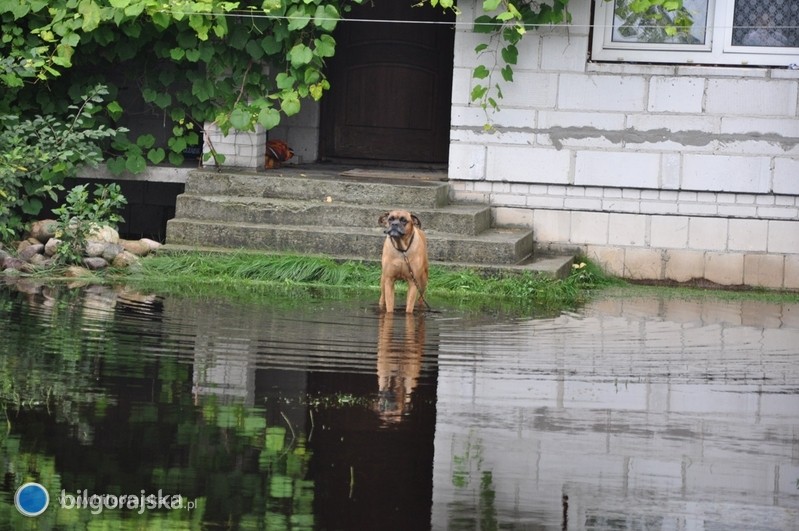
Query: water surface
[[302, 412]]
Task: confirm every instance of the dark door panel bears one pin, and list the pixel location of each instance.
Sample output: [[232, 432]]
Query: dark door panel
[[390, 86]]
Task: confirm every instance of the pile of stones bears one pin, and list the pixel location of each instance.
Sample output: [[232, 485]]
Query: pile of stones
[[103, 248]]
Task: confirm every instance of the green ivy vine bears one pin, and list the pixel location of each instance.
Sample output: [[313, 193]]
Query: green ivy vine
[[506, 22], [191, 61]]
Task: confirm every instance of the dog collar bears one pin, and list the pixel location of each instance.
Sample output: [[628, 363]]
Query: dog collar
[[396, 246]]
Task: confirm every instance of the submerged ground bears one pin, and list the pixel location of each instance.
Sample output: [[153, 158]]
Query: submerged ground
[[307, 409]]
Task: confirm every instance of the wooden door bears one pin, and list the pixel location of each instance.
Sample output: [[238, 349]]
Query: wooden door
[[391, 84]]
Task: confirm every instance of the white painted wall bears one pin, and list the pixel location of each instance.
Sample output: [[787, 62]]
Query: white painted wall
[[659, 172]]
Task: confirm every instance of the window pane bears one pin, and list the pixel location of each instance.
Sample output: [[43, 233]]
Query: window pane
[[654, 25], [774, 23]]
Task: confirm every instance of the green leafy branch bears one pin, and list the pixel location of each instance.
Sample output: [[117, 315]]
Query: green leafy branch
[[236, 64]]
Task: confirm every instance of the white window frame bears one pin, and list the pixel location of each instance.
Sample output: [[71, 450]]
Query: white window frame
[[717, 49]]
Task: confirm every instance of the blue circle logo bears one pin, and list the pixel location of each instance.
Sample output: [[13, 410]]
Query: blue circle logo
[[31, 499]]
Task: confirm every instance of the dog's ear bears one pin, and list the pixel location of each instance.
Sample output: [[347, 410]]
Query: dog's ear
[[416, 221], [382, 219]]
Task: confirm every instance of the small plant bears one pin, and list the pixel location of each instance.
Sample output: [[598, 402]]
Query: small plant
[[37, 154], [80, 215]]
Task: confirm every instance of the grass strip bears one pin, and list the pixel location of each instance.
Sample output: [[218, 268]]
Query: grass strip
[[239, 273]]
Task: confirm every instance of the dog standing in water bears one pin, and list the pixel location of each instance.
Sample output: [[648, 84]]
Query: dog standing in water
[[404, 258]]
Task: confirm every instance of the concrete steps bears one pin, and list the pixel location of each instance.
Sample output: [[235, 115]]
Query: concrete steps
[[323, 212]]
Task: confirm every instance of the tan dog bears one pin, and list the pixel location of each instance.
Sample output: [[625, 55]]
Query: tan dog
[[404, 258], [399, 365]]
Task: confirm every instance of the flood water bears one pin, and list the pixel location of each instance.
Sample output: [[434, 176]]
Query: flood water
[[303, 412]]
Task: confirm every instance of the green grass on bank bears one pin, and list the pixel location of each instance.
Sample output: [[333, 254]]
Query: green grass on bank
[[246, 273]]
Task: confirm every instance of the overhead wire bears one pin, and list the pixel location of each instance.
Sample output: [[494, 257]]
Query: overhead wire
[[465, 23]]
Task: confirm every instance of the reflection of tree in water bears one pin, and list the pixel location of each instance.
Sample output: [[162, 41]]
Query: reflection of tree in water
[[472, 512], [87, 411]]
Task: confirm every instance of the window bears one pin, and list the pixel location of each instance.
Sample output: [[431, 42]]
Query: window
[[735, 32]]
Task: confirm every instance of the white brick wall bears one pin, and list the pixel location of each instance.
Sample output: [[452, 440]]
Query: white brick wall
[[673, 171]]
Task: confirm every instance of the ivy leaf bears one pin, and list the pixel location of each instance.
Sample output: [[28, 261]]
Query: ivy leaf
[[325, 46], [255, 50], [298, 18], [176, 158], [269, 118], [290, 104], [202, 89], [90, 13], [326, 17], [156, 155], [193, 55], [270, 45], [116, 165], [490, 5], [507, 73], [480, 48], [145, 141], [160, 19], [241, 119], [135, 164], [300, 55], [510, 54], [484, 24], [480, 72], [478, 92], [284, 81]]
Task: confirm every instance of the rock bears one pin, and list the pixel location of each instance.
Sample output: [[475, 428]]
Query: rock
[[136, 247], [104, 233], [44, 229], [51, 246], [94, 248], [125, 259], [30, 251], [23, 245], [15, 264], [76, 272], [3, 255], [111, 251], [38, 260], [152, 244], [94, 263]]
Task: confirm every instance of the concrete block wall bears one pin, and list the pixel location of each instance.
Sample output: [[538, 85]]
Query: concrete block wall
[[656, 171], [247, 149], [241, 149]]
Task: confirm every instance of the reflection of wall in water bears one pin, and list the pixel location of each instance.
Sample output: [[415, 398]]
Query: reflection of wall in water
[[641, 412]]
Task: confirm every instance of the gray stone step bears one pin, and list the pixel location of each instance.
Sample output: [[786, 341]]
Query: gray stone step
[[494, 246], [291, 183], [468, 219]]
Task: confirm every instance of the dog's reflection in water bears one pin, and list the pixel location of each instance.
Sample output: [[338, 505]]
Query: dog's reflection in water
[[399, 363]]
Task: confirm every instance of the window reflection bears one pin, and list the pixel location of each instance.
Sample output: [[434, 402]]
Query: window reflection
[[657, 25], [774, 23]]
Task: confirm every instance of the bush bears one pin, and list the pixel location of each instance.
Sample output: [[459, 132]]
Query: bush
[[79, 216], [36, 155]]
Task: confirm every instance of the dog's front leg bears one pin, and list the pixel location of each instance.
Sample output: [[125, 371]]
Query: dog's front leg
[[386, 293], [410, 302]]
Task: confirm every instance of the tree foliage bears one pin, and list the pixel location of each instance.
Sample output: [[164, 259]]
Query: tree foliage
[[38, 153], [233, 63]]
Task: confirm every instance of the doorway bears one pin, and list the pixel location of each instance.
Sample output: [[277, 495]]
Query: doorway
[[391, 85]]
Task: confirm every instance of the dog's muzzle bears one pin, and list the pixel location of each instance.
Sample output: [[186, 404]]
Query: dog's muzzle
[[394, 231]]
